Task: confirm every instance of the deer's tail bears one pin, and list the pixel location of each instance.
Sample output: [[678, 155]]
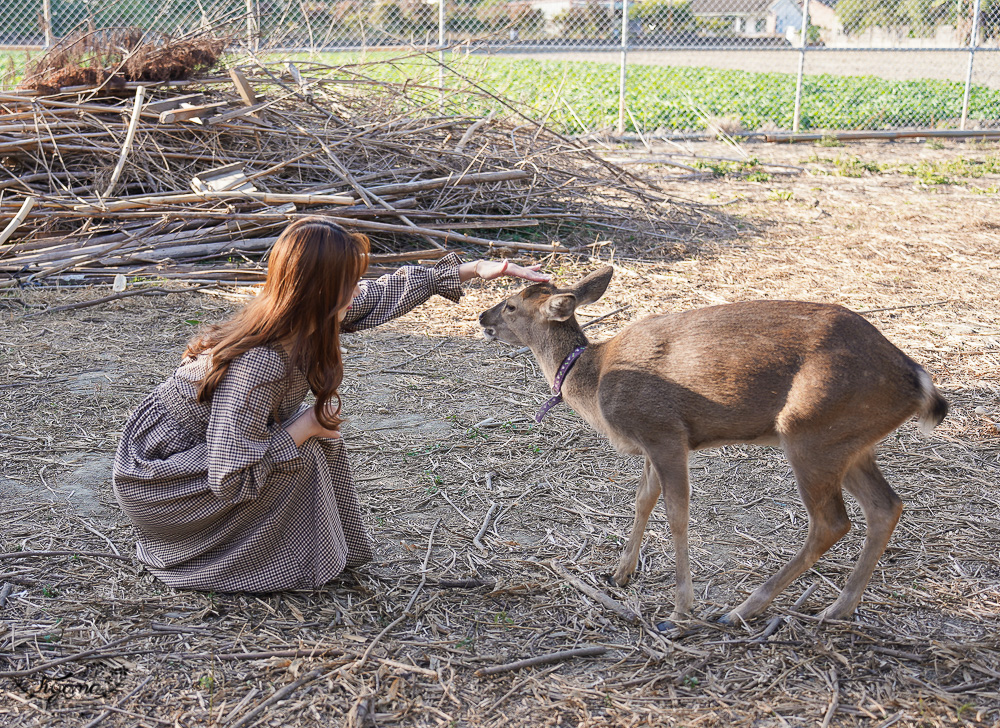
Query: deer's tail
[[933, 407]]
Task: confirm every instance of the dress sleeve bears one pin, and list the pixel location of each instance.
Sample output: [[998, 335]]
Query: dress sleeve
[[245, 445], [393, 295]]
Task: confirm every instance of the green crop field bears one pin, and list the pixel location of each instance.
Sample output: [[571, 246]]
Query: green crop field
[[580, 96], [576, 96]]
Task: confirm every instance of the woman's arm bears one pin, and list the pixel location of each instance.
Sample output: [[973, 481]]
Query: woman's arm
[[305, 425], [490, 269], [244, 445], [393, 295]]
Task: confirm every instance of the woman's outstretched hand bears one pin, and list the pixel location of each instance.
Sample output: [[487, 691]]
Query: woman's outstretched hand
[[490, 269]]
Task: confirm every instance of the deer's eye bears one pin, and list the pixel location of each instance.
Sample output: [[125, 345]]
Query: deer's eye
[[509, 307]]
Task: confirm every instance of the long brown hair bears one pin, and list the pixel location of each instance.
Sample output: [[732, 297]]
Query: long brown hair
[[313, 269]]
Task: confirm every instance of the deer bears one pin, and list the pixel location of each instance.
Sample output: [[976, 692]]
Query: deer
[[815, 379]]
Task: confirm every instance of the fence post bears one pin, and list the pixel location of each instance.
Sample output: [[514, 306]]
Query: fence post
[[47, 19], [253, 26], [973, 43], [622, 73], [803, 35], [441, 22]]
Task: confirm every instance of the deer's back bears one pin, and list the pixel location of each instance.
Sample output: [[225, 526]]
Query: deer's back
[[750, 372]]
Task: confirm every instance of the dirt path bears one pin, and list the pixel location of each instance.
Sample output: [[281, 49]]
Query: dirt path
[[441, 431]]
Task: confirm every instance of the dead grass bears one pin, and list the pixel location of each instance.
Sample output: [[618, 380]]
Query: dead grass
[[441, 433], [116, 56]]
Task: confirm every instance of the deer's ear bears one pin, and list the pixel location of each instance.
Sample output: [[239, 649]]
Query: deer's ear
[[593, 286], [559, 306]]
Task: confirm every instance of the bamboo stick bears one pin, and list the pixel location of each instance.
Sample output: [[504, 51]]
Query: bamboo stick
[[447, 235], [267, 198], [468, 179], [22, 213]]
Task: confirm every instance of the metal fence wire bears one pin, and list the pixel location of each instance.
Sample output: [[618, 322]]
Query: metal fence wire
[[646, 66]]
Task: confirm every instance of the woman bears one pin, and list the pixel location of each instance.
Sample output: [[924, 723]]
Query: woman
[[232, 483]]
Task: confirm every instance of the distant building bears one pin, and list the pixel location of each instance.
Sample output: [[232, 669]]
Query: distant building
[[761, 18], [746, 18]]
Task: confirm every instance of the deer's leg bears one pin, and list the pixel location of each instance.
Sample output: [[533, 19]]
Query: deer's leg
[[882, 509], [646, 496], [673, 471], [820, 490]]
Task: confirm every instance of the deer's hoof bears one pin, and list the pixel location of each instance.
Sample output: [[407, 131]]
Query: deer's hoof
[[831, 614], [610, 578], [730, 620]]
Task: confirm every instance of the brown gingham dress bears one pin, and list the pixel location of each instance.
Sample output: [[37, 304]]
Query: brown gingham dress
[[221, 497]]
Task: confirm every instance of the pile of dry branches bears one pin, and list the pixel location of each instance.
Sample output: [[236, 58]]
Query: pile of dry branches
[[171, 181]]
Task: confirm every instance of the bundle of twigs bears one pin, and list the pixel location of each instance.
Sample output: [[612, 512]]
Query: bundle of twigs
[[98, 182]]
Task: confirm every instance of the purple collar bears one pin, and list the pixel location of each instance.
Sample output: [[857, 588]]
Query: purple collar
[[564, 368]]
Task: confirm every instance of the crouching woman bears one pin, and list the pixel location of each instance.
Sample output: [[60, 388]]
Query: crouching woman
[[232, 482]]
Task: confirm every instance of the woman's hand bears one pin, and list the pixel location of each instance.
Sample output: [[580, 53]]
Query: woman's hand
[[306, 426], [490, 269]]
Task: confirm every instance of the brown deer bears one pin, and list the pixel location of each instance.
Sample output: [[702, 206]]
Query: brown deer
[[815, 379]]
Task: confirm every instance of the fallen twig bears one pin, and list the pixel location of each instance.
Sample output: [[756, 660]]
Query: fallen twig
[[30, 554], [279, 695], [120, 703], [115, 297], [486, 523], [543, 660], [95, 654], [423, 569], [900, 308], [776, 622], [598, 596], [5, 593]]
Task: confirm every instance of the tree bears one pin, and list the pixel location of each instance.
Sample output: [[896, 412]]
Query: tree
[[919, 17], [589, 21], [860, 15], [665, 17], [388, 17]]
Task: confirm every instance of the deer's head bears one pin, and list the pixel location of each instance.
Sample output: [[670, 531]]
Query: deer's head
[[539, 308]]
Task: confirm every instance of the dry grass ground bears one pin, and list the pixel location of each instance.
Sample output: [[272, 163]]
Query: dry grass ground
[[442, 442]]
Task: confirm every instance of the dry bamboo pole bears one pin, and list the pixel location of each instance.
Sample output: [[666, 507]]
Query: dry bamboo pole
[[22, 213], [197, 250], [446, 235], [47, 144], [224, 237], [439, 182], [74, 262], [266, 198], [68, 242]]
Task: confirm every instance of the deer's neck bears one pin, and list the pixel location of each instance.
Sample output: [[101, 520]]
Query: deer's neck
[[552, 351]]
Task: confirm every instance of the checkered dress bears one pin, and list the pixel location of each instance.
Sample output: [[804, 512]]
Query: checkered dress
[[221, 497]]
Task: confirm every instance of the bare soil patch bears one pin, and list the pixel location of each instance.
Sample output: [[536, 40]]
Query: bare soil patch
[[442, 432]]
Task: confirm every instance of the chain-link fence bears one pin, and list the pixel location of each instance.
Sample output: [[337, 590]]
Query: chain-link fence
[[646, 66]]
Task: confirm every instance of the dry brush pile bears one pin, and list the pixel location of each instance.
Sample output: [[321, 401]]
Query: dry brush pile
[[193, 179]]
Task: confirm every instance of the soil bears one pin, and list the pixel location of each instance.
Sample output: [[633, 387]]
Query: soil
[[443, 441]]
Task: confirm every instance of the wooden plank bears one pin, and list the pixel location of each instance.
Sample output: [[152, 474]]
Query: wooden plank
[[220, 179], [158, 107], [243, 87], [186, 112], [236, 113]]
